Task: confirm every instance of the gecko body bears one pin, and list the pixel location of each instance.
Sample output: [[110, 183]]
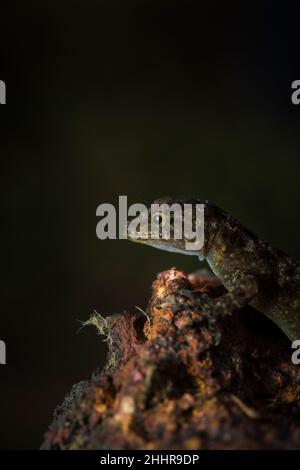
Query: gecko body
[[253, 271]]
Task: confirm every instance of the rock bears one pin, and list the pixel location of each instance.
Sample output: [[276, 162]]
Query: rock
[[177, 378]]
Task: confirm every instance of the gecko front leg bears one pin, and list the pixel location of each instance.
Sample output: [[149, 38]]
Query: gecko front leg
[[242, 289]]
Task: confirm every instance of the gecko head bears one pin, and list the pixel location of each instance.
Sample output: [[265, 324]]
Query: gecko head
[[173, 225]]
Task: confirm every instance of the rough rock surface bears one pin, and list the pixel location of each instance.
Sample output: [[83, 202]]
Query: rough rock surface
[[182, 380]]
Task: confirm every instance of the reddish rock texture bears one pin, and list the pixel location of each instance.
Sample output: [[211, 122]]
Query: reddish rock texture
[[183, 380]]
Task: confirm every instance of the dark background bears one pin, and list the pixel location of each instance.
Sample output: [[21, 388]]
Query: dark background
[[143, 98]]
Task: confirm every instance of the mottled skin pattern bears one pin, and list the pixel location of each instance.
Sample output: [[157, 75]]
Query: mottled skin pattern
[[252, 270]]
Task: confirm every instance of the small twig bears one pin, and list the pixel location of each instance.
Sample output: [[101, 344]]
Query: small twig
[[250, 412], [147, 330]]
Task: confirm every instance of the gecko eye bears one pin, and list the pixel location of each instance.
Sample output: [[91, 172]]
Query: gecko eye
[[158, 218]]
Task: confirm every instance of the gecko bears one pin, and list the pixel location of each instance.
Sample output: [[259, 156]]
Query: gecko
[[253, 271]]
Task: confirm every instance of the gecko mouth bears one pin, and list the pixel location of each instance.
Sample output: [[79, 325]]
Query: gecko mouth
[[137, 240]]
